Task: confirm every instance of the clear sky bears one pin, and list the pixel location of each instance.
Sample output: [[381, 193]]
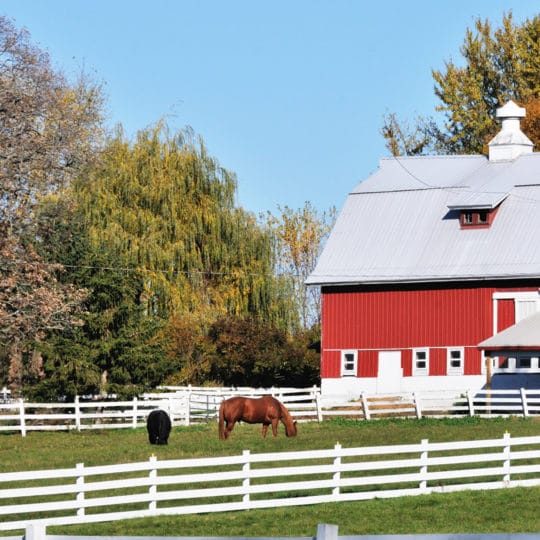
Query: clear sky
[[288, 94]]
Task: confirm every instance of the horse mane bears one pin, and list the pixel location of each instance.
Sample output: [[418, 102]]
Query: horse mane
[[287, 419]]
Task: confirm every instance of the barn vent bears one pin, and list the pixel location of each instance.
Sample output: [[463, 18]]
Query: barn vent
[[510, 142]]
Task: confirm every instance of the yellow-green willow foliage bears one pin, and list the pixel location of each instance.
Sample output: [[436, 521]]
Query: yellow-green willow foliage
[[162, 205]]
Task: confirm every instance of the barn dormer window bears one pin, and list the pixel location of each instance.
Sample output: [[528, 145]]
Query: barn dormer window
[[477, 219]]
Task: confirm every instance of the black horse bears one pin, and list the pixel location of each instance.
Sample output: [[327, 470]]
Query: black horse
[[158, 426]]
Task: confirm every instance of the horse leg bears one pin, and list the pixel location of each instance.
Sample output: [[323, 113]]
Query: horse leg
[[228, 428], [274, 427], [264, 430]]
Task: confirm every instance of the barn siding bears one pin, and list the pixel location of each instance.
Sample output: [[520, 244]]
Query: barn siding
[[437, 362], [370, 319], [404, 319], [368, 363], [406, 362], [506, 314], [473, 362], [331, 364]]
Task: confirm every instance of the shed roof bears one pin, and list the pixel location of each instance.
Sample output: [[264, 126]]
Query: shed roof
[[402, 223], [523, 335]]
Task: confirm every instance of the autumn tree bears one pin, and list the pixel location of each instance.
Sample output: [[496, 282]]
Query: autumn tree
[[497, 65], [299, 237], [49, 131], [248, 352]]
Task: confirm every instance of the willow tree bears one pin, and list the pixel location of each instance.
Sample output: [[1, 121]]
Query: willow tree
[[497, 64], [166, 208]]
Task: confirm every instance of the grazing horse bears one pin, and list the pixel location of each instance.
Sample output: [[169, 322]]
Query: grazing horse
[[265, 410], [158, 425]]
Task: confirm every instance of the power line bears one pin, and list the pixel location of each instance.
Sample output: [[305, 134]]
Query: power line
[[459, 189]]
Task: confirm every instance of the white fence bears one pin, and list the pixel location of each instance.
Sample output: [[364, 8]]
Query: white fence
[[187, 405], [268, 480]]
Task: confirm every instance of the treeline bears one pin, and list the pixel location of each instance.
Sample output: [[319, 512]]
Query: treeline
[[127, 264]]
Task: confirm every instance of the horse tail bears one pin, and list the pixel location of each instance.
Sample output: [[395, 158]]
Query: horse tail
[[287, 419], [221, 421]]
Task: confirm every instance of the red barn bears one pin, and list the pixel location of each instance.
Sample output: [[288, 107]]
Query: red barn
[[429, 257]]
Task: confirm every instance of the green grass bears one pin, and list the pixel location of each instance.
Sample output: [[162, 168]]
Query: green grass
[[501, 511]]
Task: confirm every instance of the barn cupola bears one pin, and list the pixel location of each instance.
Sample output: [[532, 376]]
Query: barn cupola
[[510, 142]]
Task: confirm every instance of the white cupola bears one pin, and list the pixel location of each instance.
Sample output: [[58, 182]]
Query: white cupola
[[510, 142]]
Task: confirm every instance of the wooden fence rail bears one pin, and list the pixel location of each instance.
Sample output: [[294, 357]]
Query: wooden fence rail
[[189, 405], [84, 494]]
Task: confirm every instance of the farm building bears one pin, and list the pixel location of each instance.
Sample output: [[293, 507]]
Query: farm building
[[430, 257]]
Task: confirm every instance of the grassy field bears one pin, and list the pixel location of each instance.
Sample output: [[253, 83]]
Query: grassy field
[[500, 511]]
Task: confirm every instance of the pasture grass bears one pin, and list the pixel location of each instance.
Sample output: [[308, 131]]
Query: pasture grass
[[501, 511]]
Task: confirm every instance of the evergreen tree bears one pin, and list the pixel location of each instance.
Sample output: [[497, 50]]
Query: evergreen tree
[[114, 350]]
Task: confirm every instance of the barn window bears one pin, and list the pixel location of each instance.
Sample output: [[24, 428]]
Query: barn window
[[524, 362], [454, 361], [482, 217], [421, 362], [349, 361]]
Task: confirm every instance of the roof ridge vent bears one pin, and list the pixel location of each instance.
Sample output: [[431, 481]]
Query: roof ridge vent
[[510, 142]]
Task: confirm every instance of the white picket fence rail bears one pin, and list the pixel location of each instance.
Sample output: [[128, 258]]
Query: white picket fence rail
[[188, 405], [84, 494]]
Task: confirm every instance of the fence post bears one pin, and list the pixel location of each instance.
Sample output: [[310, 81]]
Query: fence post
[[417, 405], [77, 413], [246, 479], [22, 422], [524, 403], [134, 417], [365, 405], [35, 531], [327, 532], [187, 410], [80, 486], [152, 490], [318, 407], [471, 403], [506, 456], [337, 473], [423, 465]]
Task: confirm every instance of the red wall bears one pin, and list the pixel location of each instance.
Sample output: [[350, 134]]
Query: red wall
[[506, 315], [369, 320]]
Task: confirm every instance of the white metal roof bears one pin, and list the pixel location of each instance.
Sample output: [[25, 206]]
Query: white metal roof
[[522, 335], [402, 223]]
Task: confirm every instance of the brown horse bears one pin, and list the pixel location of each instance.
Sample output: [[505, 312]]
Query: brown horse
[[265, 410]]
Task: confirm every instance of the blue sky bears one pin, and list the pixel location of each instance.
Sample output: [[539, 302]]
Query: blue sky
[[289, 94]]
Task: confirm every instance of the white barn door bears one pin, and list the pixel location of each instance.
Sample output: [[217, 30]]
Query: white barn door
[[390, 373]]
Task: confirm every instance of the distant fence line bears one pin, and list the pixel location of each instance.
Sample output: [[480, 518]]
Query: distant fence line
[[246, 481], [325, 531], [187, 405]]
